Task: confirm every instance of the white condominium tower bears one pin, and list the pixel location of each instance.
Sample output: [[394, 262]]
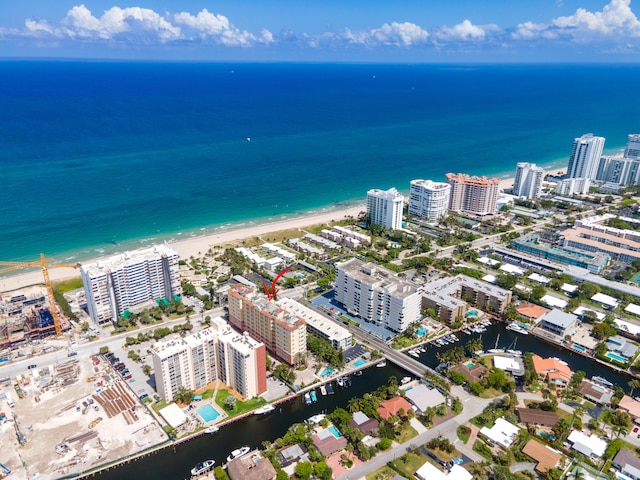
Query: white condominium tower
[[473, 195], [429, 200], [585, 157], [385, 208], [528, 181], [130, 279], [633, 146], [377, 295]]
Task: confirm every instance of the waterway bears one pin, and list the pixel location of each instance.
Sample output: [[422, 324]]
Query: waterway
[[531, 343], [251, 431]]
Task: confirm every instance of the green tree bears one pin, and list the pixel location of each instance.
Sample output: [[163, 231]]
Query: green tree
[[230, 402], [323, 471], [146, 369], [84, 326], [602, 330], [281, 475], [457, 377], [635, 383], [304, 470], [183, 395]]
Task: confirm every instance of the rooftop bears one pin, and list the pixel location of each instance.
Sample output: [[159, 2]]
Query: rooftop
[[546, 456]]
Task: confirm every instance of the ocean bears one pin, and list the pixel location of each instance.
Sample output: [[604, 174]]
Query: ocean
[[98, 157]]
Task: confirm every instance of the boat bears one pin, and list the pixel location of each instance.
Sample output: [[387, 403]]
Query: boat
[[413, 353], [264, 409], [314, 397], [340, 382], [405, 380], [316, 418], [381, 364], [514, 327], [602, 381], [203, 467], [467, 331], [323, 390], [307, 398], [346, 382], [329, 389], [358, 373], [422, 349], [212, 429], [515, 353], [238, 452], [496, 350]]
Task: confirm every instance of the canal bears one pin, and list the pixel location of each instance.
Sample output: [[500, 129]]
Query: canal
[[251, 431], [530, 343]]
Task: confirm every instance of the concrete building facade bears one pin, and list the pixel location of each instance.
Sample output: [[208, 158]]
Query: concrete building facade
[[384, 208], [473, 195], [429, 200], [377, 295], [585, 157], [127, 280], [528, 180]]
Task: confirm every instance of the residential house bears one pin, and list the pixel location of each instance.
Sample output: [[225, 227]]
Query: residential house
[[392, 406], [628, 463], [546, 457], [364, 423], [251, 467], [552, 370], [533, 416]]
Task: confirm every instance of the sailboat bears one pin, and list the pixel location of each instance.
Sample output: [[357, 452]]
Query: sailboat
[[495, 348], [511, 349]]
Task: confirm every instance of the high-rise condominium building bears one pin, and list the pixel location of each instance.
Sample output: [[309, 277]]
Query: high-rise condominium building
[[585, 157], [528, 181], [429, 200], [130, 279], [385, 208], [473, 195], [377, 295], [633, 146], [217, 353], [283, 333]]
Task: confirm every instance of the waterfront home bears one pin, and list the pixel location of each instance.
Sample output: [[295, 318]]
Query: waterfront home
[[552, 370], [622, 347], [293, 453], [531, 311], [429, 471], [503, 433], [473, 373], [627, 462], [391, 407], [631, 406], [535, 417], [251, 467], [591, 446], [545, 457], [594, 392], [329, 440], [364, 423], [559, 323]]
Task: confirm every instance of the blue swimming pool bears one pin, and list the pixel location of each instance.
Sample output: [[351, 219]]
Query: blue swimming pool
[[334, 431], [327, 371], [617, 358], [422, 331], [208, 413], [472, 313], [359, 362], [578, 348]]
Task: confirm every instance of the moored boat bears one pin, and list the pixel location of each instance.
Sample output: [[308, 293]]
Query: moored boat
[[238, 452], [405, 380], [314, 397], [307, 398], [316, 418], [323, 390], [264, 409], [212, 429], [329, 389], [202, 467], [381, 364]]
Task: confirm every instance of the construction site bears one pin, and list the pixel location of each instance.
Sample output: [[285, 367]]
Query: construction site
[[69, 418]]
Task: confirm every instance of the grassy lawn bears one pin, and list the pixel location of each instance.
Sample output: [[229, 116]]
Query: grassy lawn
[[442, 455], [491, 393], [384, 473], [464, 433], [588, 405], [282, 235], [207, 394], [241, 407], [159, 405], [480, 447], [408, 432], [409, 463]]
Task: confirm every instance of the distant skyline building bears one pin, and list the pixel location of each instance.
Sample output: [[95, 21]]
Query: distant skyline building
[[584, 160], [128, 280], [633, 146], [283, 333], [528, 180], [377, 295], [622, 169], [384, 208], [473, 195], [429, 200]]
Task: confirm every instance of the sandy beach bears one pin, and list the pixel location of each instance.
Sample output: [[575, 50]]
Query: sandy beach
[[193, 246], [197, 246]]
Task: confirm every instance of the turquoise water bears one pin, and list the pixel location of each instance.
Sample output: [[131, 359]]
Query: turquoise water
[[470, 364], [544, 434], [327, 371], [422, 331], [102, 157], [617, 358], [636, 278], [578, 348], [472, 313], [359, 363], [334, 431], [208, 413]]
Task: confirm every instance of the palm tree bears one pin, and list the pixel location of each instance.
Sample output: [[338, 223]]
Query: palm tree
[[635, 383], [577, 474]]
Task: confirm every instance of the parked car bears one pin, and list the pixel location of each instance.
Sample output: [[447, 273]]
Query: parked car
[[128, 377], [32, 366]]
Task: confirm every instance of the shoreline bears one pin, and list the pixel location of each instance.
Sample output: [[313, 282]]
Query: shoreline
[[196, 245]]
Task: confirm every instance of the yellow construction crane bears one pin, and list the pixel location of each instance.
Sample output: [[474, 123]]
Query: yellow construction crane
[[44, 264]]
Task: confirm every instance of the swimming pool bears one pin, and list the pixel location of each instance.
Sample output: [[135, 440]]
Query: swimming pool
[[472, 313], [422, 331], [334, 431], [578, 348], [617, 358], [546, 435], [469, 365], [327, 371], [208, 413], [359, 362]]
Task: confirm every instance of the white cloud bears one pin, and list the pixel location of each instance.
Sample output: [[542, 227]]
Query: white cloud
[[616, 20], [394, 34], [217, 27], [464, 31]]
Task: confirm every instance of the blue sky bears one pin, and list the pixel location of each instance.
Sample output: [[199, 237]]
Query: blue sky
[[324, 30]]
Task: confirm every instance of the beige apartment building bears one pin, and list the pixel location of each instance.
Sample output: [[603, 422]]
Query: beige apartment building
[[473, 195], [283, 333]]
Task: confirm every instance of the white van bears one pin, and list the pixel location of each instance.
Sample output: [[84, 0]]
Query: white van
[[10, 402]]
